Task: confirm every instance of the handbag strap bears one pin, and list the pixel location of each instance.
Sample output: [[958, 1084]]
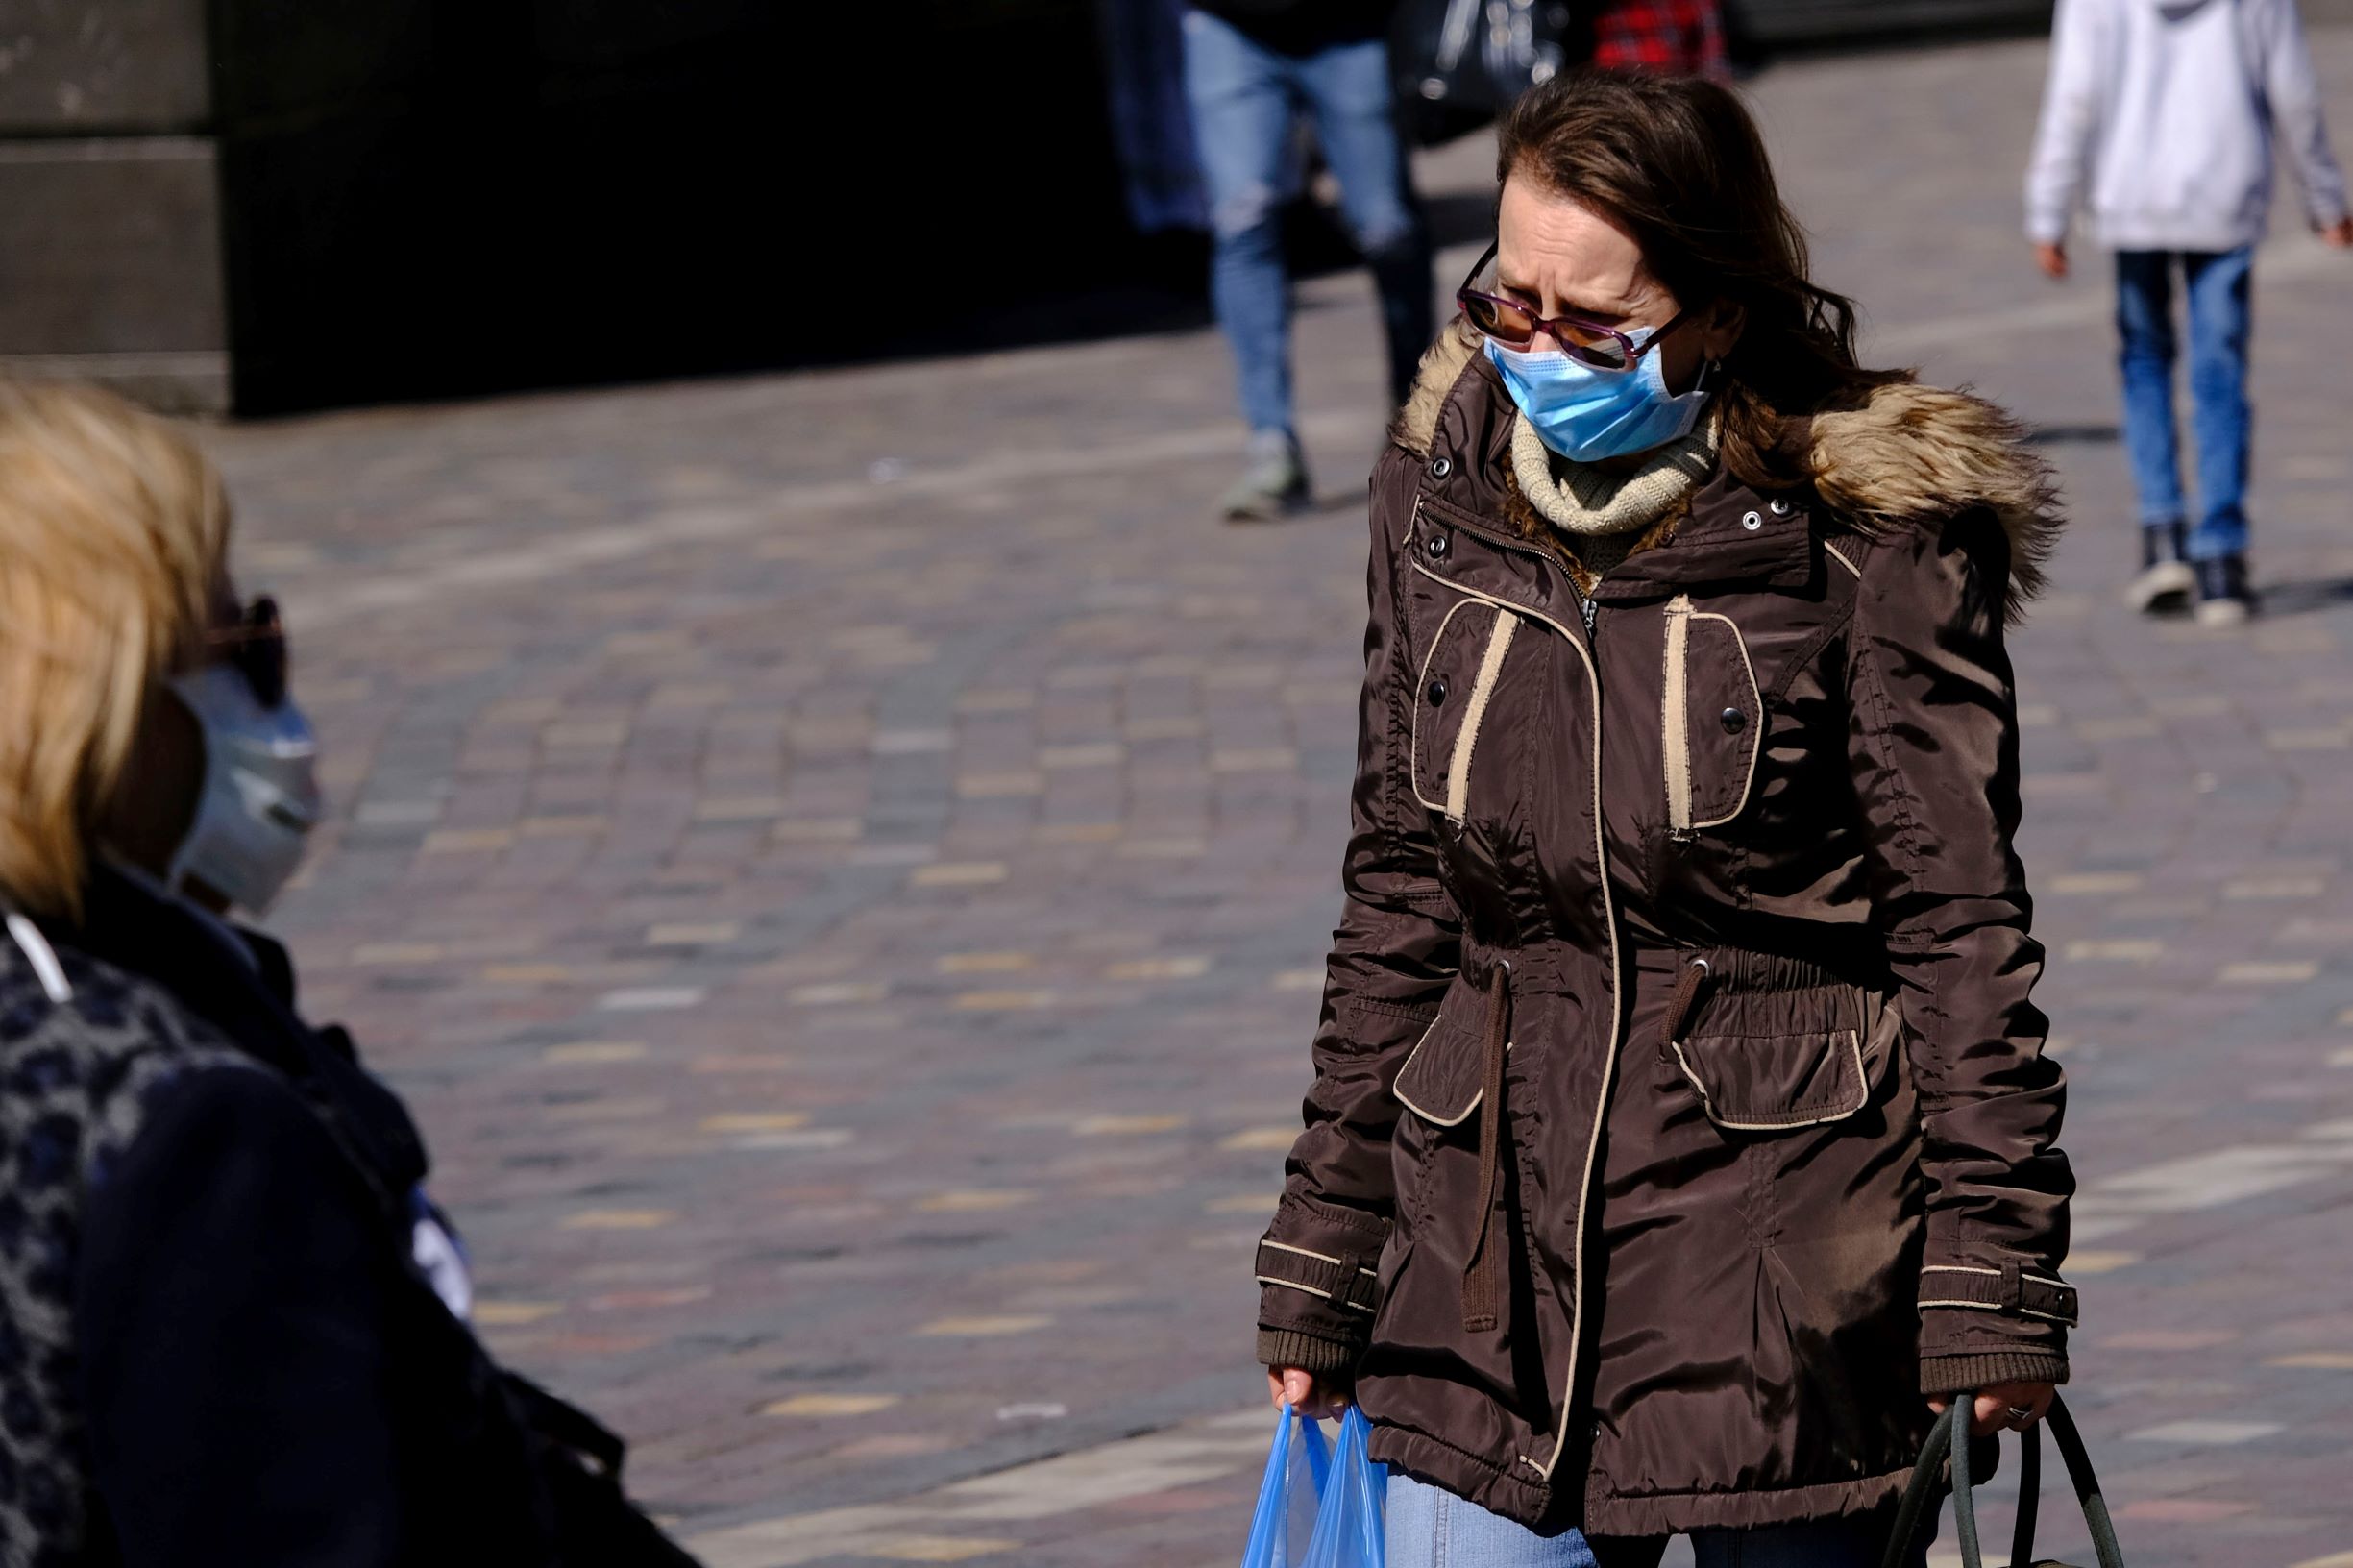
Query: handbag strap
[[1964, 1494], [2087, 1485], [1921, 1494], [2029, 1495], [1949, 1439]]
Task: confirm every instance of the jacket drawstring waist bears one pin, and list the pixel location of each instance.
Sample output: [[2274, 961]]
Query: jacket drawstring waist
[[1483, 1279], [1484, 1285]]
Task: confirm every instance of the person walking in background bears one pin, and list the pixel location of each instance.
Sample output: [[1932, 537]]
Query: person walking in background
[[1252, 68], [2161, 117], [1669, 38], [231, 1332]]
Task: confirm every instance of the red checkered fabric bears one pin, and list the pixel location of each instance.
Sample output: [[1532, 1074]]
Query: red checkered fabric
[[1676, 38]]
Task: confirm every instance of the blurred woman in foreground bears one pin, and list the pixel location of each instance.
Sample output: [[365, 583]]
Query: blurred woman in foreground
[[221, 1337]]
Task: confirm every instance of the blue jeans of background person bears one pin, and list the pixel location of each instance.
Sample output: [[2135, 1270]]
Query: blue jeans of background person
[[2219, 287], [1432, 1528], [1246, 100]]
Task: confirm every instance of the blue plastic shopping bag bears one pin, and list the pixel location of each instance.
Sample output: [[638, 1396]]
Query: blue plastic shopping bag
[[1350, 1524], [1297, 1468]]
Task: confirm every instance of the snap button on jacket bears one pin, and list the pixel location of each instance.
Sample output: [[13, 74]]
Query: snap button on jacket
[[1681, 1120]]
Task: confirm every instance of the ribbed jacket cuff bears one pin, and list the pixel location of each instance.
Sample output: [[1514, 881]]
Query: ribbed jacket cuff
[[1967, 1374], [1322, 1357]]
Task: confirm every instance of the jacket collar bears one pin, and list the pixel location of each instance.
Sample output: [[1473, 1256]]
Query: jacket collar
[[240, 983], [1907, 455], [1731, 534], [1460, 422]]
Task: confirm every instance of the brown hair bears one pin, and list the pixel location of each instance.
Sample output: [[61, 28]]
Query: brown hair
[[1678, 165], [113, 525]]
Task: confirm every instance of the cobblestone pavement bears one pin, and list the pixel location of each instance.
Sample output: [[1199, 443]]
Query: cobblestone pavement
[[840, 864]]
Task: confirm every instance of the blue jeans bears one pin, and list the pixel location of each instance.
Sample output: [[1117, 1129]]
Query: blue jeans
[[2220, 289], [1432, 1528], [1246, 99]]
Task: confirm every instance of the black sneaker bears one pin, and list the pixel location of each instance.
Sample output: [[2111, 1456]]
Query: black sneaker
[[2165, 579], [2223, 597]]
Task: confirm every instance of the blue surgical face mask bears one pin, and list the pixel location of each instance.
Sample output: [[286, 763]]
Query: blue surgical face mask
[[1587, 414]]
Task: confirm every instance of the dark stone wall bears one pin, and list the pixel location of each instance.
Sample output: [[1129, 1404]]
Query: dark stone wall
[[112, 246], [110, 258], [491, 196], [96, 67], [344, 201]]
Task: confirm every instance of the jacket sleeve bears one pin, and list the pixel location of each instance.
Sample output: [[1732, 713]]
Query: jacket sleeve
[[232, 1319], [1933, 748], [2292, 94], [2071, 118], [1396, 950]]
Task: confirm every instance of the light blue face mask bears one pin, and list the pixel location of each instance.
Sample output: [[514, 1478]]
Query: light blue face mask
[[1587, 414]]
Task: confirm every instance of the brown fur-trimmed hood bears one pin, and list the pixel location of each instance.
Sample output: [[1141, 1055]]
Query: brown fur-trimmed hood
[[1910, 456]]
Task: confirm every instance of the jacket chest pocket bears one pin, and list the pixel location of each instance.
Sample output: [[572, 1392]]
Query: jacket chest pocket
[[1713, 719], [1454, 702]]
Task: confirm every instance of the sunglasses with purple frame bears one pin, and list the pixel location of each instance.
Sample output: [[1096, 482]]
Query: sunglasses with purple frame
[[1587, 342]]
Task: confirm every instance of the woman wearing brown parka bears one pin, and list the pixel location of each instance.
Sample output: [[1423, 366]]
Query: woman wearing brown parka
[[1681, 1134]]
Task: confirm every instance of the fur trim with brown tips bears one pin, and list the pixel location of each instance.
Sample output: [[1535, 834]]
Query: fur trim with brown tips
[[1522, 514], [1416, 425], [1913, 455]]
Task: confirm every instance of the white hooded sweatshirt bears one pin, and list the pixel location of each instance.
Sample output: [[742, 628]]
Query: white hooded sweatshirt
[[2161, 115]]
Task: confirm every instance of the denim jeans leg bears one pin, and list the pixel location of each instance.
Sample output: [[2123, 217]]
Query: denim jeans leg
[[1428, 1527], [1348, 92], [2145, 326], [1242, 96], [2220, 290], [1853, 1541]]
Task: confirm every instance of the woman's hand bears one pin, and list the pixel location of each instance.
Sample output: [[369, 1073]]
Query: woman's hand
[[1995, 1401], [1317, 1399]]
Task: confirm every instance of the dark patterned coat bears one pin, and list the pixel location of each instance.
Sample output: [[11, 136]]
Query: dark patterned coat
[[215, 1345]]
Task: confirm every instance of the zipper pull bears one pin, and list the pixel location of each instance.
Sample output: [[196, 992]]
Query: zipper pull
[[1592, 613]]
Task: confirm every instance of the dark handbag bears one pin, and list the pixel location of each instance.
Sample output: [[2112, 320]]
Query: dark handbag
[[578, 1461], [1949, 1438], [1458, 63]]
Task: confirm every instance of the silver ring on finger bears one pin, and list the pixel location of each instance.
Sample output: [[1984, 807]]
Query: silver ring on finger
[[2021, 1419]]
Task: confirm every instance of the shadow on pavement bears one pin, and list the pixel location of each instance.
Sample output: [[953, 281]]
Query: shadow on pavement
[[2307, 597], [2074, 435]]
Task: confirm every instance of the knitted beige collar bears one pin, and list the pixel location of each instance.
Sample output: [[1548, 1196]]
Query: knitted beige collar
[[1580, 499]]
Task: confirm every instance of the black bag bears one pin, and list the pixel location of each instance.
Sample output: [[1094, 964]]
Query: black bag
[[1458, 63], [1949, 1438], [513, 1475], [496, 1473], [578, 1461]]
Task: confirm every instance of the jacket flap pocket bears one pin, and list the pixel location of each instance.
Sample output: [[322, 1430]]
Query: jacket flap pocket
[[1724, 719], [1780, 1068], [1439, 1082], [1450, 702], [1714, 719]]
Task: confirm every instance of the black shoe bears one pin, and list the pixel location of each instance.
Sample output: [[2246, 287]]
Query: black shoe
[[1274, 485], [2166, 580], [2223, 597]]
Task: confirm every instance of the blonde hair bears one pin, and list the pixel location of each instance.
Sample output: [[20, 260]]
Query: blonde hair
[[113, 527]]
